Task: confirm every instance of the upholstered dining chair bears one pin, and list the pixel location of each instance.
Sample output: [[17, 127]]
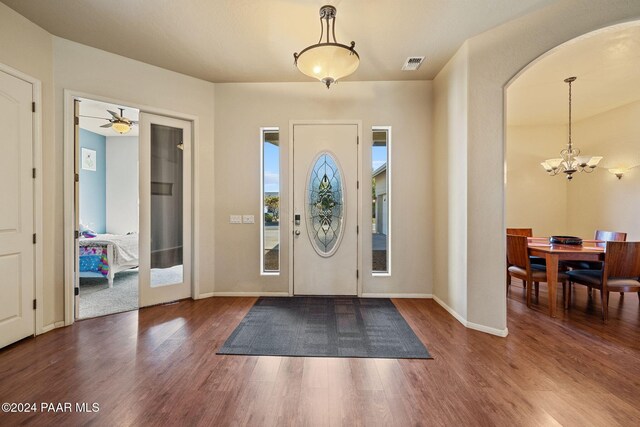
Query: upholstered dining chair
[[607, 236], [528, 232], [621, 272], [520, 266]]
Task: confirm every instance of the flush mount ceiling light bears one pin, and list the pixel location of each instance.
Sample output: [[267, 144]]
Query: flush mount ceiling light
[[327, 61], [571, 160]]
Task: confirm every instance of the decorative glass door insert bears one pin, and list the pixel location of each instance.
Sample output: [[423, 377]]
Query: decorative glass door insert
[[325, 204]]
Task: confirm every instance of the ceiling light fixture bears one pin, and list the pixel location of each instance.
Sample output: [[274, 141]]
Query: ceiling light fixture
[[571, 160], [327, 61], [121, 127], [118, 122]]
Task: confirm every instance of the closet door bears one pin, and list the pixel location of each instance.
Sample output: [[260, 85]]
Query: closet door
[[165, 209]]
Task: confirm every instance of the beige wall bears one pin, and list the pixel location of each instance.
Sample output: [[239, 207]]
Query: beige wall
[[92, 71], [600, 200], [533, 199], [241, 109], [469, 131], [495, 57], [450, 183], [31, 53], [590, 202]]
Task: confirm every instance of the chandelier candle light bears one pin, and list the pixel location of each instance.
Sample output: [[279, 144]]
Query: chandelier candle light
[[571, 160], [327, 61]]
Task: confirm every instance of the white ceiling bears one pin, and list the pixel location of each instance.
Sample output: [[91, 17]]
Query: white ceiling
[[254, 40], [99, 109], [607, 64]]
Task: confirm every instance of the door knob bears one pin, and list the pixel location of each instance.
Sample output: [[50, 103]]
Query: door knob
[[297, 232]]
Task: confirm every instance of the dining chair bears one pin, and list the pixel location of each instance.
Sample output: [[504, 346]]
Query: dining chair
[[621, 272], [520, 266], [606, 236], [528, 232]]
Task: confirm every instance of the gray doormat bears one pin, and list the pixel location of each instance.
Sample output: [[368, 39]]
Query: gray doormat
[[325, 327]]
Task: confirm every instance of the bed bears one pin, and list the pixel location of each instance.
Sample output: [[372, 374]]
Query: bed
[[107, 254]]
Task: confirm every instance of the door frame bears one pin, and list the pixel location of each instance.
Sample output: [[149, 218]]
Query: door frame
[[359, 218], [37, 195], [68, 182]]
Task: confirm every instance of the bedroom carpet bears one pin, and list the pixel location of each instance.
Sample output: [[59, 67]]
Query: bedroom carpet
[[97, 299], [325, 327]]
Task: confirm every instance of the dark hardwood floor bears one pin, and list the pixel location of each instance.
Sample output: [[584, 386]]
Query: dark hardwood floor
[[158, 367]]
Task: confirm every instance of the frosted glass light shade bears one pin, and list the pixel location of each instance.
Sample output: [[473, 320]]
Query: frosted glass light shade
[[554, 163], [593, 162], [546, 166], [583, 160], [121, 127], [328, 62]]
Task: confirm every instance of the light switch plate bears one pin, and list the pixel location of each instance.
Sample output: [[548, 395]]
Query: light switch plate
[[248, 219], [235, 219]]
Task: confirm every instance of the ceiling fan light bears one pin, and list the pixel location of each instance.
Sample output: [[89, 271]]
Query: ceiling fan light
[[121, 127]]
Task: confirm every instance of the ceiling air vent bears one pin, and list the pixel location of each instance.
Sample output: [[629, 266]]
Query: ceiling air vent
[[412, 63]]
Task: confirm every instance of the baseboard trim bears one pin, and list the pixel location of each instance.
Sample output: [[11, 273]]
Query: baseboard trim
[[493, 331], [383, 295], [205, 295], [249, 294], [52, 326], [486, 329], [459, 317]]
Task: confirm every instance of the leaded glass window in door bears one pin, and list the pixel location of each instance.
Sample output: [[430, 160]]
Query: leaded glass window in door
[[325, 204]]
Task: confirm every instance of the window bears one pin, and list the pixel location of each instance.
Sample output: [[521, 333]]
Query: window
[[270, 201], [381, 200]]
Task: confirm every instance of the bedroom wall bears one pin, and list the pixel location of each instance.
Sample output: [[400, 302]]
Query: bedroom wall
[[122, 184], [93, 184], [28, 48], [241, 109]]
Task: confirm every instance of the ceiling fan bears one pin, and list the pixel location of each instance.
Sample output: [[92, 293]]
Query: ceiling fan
[[117, 122]]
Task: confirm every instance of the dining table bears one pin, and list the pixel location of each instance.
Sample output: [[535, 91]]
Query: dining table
[[589, 250]]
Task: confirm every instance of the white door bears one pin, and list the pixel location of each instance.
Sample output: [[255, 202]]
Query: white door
[[165, 209], [17, 316], [325, 192]]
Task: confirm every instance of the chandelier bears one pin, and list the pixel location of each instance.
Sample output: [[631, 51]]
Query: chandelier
[[327, 61], [571, 160]]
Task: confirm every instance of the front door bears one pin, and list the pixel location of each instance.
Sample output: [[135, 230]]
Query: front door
[[325, 191], [16, 210], [165, 209]]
